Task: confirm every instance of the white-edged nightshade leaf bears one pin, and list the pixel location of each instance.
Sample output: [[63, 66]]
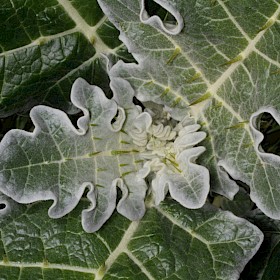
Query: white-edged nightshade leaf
[[223, 67], [59, 162]]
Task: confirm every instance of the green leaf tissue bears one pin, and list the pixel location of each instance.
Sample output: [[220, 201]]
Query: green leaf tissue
[[152, 148]]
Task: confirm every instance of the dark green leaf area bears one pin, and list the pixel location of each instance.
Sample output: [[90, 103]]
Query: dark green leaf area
[[89, 11], [92, 70], [24, 21], [164, 248], [239, 206], [124, 54], [28, 273], [272, 270], [34, 73], [30, 237], [109, 34], [170, 242], [9, 273], [125, 268], [177, 243], [265, 265]]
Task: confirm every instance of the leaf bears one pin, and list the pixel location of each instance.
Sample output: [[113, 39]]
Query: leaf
[[239, 206], [45, 47], [170, 242], [265, 264], [223, 68], [115, 146]]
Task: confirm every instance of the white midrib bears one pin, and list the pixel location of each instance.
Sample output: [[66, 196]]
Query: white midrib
[[46, 266], [213, 88], [119, 250], [81, 26], [140, 265], [86, 29], [40, 40], [190, 232], [122, 248], [100, 272], [233, 20], [105, 153], [187, 230], [274, 62], [90, 32]]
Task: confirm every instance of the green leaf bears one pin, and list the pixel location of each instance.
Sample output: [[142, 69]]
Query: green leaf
[[170, 242], [240, 206], [115, 146], [265, 264], [219, 62], [46, 46]]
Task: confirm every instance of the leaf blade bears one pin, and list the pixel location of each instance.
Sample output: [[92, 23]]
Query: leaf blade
[[228, 78], [127, 251]]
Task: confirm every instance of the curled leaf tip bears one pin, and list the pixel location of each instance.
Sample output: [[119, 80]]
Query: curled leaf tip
[[155, 21], [169, 157]]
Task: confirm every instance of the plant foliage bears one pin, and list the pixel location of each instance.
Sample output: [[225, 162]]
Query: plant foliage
[[164, 110]]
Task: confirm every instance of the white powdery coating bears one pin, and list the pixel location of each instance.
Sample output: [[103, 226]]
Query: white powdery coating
[[267, 199], [116, 145], [169, 158], [156, 22], [268, 161]]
